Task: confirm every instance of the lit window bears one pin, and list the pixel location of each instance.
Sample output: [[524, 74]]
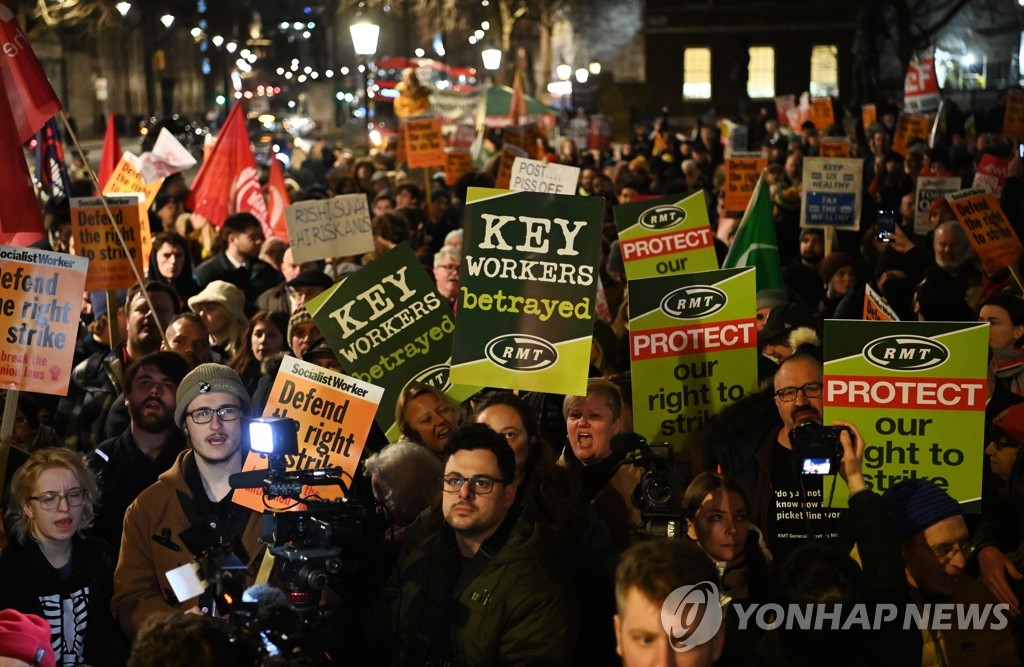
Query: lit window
[[761, 72], [825, 71], [697, 74]]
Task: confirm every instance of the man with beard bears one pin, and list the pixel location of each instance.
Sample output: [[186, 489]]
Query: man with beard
[[193, 493], [785, 504], [801, 275], [129, 463], [950, 246], [446, 273], [96, 382]]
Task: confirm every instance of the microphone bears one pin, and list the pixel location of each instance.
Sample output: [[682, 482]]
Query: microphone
[[251, 479], [265, 596]]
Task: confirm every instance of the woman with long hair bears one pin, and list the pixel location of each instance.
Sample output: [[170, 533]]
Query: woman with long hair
[[51, 568], [264, 337]]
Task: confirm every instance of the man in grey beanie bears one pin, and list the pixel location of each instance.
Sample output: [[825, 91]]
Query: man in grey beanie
[[210, 408]]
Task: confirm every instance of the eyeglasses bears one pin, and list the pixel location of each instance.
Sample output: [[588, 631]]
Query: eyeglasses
[[51, 501], [448, 267], [479, 485], [1002, 441], [226, 414], [788, 394], [947, 552]]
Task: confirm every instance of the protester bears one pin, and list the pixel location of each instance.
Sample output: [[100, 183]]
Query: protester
[[264, 337], [222, 307], [427, 416], [1005, 316], [50, 569]]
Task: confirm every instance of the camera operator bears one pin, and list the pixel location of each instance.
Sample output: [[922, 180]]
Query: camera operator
[[211, 402], [787, 505]]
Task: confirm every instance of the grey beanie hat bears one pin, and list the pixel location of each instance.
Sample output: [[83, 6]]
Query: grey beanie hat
[[206, 379]]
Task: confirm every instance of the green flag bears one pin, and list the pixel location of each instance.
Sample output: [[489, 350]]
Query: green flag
[[755, 243]]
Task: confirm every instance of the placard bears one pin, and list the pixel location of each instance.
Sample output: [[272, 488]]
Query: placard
[[458, 162], [834, 147], [868, 115], [508, 157], [424, 145], [876, 308], [335, 227], [96, 240], [991, 173], [692, 350], [528, 289], [822, 114], [741, 174], [536, 176], [1013, 116], [831, 193], [916, 392], [40, 303], [666, 236], [909, 128], [988, 230], [334, 413], [928, 190]]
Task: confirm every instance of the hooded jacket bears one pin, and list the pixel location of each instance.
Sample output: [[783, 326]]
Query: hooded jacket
[[508, 605], [151, 544]]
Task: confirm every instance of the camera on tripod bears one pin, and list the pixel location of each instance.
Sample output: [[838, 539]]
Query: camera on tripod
[[659, 493]]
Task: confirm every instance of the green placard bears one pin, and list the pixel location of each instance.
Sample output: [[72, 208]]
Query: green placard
[[528, 290], [916, 392], [666, 236], [387, 325], [692, 349]]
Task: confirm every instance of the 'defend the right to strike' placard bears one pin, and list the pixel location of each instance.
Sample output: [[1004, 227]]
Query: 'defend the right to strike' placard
[[916, 392]]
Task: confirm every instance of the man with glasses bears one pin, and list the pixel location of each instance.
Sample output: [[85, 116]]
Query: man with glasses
[[483, 587], [936, 548], [194, 492]]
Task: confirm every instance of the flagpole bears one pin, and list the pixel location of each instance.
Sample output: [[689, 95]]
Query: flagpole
[[117, 230], [7, 429]]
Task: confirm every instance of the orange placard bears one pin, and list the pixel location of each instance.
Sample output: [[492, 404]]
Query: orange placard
[[1013, 116], [40, 302], [868, 115], [741, 174], [333, 414], [876, 308], [528, 138], [458, 161], [95, 239], [988, 230], [832, 147], [126, 180], [822, 114], [508, 158], [909, 128], [424, 145]]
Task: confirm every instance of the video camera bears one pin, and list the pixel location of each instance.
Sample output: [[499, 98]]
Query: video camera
[[817, 447], [312, 546], [659, 494]]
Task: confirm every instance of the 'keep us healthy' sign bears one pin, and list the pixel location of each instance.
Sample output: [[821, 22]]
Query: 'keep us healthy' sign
[[916, 392], [528, 290]]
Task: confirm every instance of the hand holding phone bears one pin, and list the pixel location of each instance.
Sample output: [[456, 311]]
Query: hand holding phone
[[886, 225]]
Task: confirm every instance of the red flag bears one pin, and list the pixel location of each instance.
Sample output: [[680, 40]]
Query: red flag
[[228, 182], [277, 200], [19, 211], [28, 91], [517, 109], [111, 153]]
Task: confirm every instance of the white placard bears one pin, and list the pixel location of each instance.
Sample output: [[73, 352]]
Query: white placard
[[336, 227], [536, 176]]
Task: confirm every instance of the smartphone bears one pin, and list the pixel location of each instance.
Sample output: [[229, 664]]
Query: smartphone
[[886, 225]]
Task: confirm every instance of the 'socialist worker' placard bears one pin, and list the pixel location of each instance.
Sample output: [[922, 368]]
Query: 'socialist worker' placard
[[666, 236], [988, 230], [388, 325], [334, 413], [528, 288], [96, 240], [334, 227], [741, 174], [692, 350], [40, 299], [830, 196], [916, 392]]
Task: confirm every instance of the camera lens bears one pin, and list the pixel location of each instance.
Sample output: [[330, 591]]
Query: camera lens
[[658, 491]]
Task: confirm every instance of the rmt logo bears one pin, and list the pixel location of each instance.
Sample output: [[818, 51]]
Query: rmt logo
[[906, 353], [662, 217], [690, 303], [521, 352]]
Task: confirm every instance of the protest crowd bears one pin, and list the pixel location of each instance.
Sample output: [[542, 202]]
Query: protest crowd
[[508, 519]]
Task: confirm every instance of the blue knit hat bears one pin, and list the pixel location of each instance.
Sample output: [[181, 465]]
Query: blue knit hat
[[916, 504]]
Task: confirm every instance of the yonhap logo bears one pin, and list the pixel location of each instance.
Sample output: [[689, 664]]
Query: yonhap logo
[[690, 303], [521, 352], [906, 353], [691, 615], [662, 217]]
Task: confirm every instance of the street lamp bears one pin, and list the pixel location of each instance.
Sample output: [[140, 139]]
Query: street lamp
[[595, 68], [582, 74], [167, 20], [492, 59], [123, 8], [364, 43]]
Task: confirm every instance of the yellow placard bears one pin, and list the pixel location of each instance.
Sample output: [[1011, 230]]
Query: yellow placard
[[333, 414], [40, 302], [95, 239]]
